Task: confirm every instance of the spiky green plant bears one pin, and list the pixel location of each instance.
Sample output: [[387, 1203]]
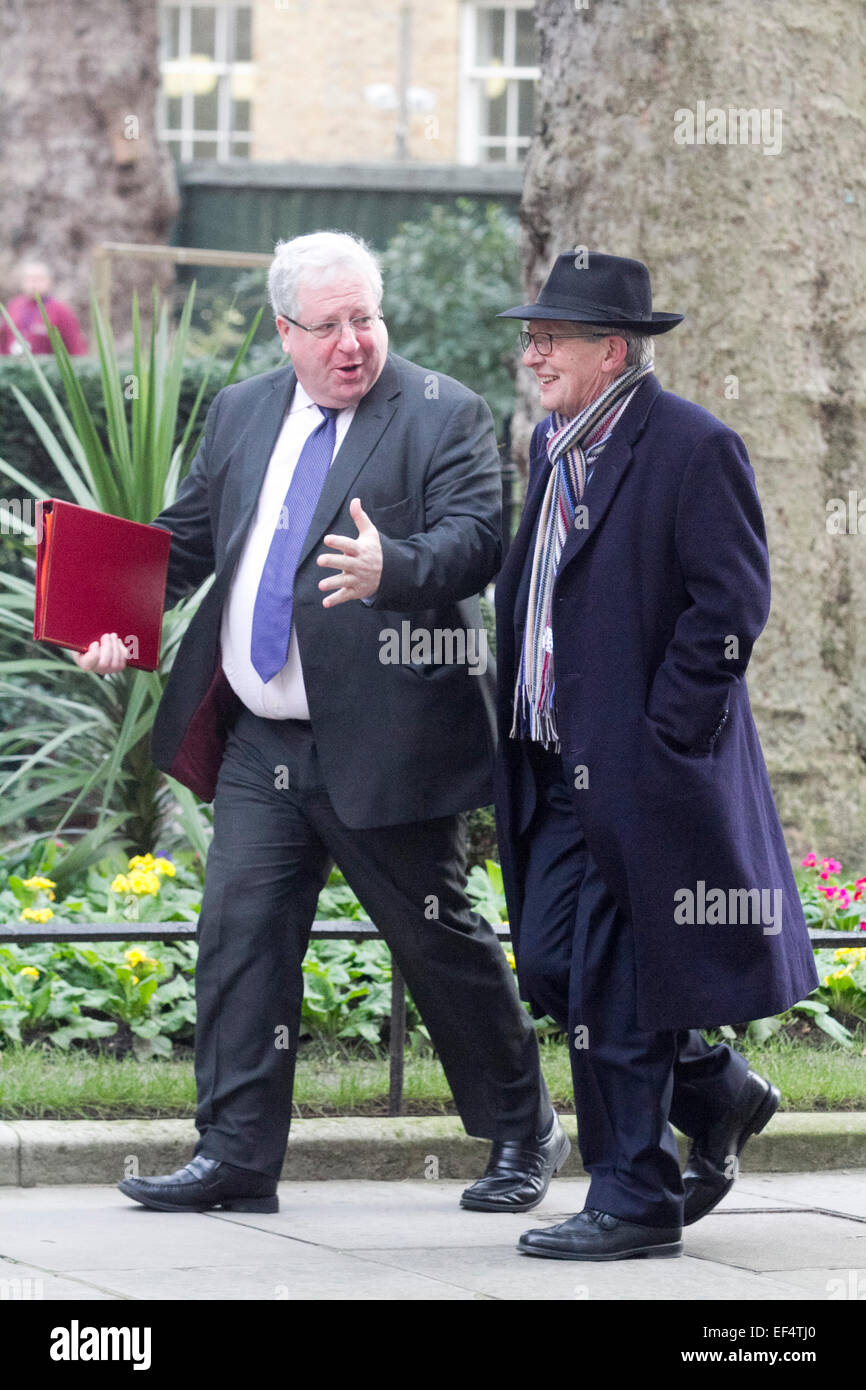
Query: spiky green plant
[[74, 752]]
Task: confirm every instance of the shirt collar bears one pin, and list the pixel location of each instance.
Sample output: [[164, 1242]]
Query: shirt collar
[[300, 400]]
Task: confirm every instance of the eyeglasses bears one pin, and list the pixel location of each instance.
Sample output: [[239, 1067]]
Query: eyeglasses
[[543, 342], [364, 324]]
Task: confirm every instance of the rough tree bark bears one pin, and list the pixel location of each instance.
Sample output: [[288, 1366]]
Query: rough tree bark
[[764, 252], [79, 156]]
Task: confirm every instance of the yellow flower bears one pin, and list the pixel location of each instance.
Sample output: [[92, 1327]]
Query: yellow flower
[[36, 914], [164, 866], [843, 974], [121, 884], [142, 861], [135, 956], [30, 971], [40, 884], [509, 956], [854, 953], [144, 881], [135, 979]]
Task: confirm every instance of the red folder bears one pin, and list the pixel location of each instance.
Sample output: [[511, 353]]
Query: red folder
[[97, 573]]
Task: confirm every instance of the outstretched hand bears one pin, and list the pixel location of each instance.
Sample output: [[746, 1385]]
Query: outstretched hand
[[360, 563]]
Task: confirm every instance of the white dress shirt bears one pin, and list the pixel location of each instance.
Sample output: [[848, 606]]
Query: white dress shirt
[[284, 696]]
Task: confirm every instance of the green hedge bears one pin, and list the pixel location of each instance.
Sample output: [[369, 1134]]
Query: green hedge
[[19, 444]]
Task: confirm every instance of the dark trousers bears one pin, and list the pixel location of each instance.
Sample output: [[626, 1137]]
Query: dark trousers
[[271, 854], [576, 960]]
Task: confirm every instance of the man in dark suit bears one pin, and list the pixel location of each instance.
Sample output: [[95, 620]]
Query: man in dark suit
[[650, 892], [325, 732]]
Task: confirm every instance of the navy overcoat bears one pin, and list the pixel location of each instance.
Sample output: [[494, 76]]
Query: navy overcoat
[[662, 589]]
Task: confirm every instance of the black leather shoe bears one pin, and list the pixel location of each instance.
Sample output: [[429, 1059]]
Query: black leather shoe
[[519, 1172], [202, 1184], [712, 1163], [596, 1235]]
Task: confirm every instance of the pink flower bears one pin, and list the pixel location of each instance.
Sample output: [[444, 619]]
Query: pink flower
[[830, 892], [844, 900], [809, 862], [831, 865]]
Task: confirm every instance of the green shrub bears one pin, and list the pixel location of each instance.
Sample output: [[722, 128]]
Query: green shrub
[[446, 279], [19, 444], [77, 756]]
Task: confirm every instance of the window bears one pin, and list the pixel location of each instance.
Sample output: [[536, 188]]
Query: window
[[207, 80], [499, 49]]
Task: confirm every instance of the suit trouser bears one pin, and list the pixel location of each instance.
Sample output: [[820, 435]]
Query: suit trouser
[[576, 960], [271, 854]]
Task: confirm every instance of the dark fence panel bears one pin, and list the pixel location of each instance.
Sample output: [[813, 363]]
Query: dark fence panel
[[248, 207]]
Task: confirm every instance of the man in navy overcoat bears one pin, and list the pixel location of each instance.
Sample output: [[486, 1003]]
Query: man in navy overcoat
[[649, 888]]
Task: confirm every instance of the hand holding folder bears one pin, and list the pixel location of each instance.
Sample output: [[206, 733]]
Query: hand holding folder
[[99, 574]]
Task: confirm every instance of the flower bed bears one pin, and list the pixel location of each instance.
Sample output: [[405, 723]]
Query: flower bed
[[127, 996]]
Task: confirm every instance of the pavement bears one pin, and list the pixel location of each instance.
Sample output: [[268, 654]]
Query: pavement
[[369, 1212], [782, 1237]]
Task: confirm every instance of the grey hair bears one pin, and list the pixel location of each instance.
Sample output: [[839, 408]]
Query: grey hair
[[640, 347], [315, 260]]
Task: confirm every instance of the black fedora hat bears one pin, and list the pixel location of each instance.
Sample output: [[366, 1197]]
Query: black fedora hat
[[607, 289]]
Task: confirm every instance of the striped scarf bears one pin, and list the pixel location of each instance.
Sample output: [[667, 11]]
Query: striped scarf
[[572, 445]]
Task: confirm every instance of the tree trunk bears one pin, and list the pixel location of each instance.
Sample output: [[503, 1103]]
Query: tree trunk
[[79, 156], [762, 248]]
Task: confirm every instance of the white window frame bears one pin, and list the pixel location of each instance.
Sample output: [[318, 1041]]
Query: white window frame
[[183, 138], [471, 143]]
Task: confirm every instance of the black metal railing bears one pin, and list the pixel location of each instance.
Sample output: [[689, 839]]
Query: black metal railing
[[338, 929]]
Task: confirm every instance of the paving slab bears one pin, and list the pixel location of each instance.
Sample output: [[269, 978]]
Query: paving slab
[[824, 1285], [106, 1233], [385, 1216], [503, 1273], [287, 1275], [838, 1193], [408, 1241], [768, 1241], [22, 1283]]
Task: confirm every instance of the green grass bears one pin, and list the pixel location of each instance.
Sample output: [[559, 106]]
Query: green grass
[[814, 1077], [37, 1084]]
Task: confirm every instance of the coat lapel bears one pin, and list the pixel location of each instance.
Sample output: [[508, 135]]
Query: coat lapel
[[610, 471], [255, 447]]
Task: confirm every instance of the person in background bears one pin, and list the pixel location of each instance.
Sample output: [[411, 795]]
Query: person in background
[[35, 279]]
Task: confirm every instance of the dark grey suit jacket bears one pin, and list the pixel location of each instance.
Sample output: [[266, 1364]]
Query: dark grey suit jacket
[[397, 742]]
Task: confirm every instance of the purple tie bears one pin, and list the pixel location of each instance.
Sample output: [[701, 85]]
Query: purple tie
[[272, 613]]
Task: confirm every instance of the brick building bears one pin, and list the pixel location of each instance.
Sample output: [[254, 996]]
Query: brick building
[[345, 81]]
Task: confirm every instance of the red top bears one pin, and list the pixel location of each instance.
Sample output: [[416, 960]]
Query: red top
[[25, 314]]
